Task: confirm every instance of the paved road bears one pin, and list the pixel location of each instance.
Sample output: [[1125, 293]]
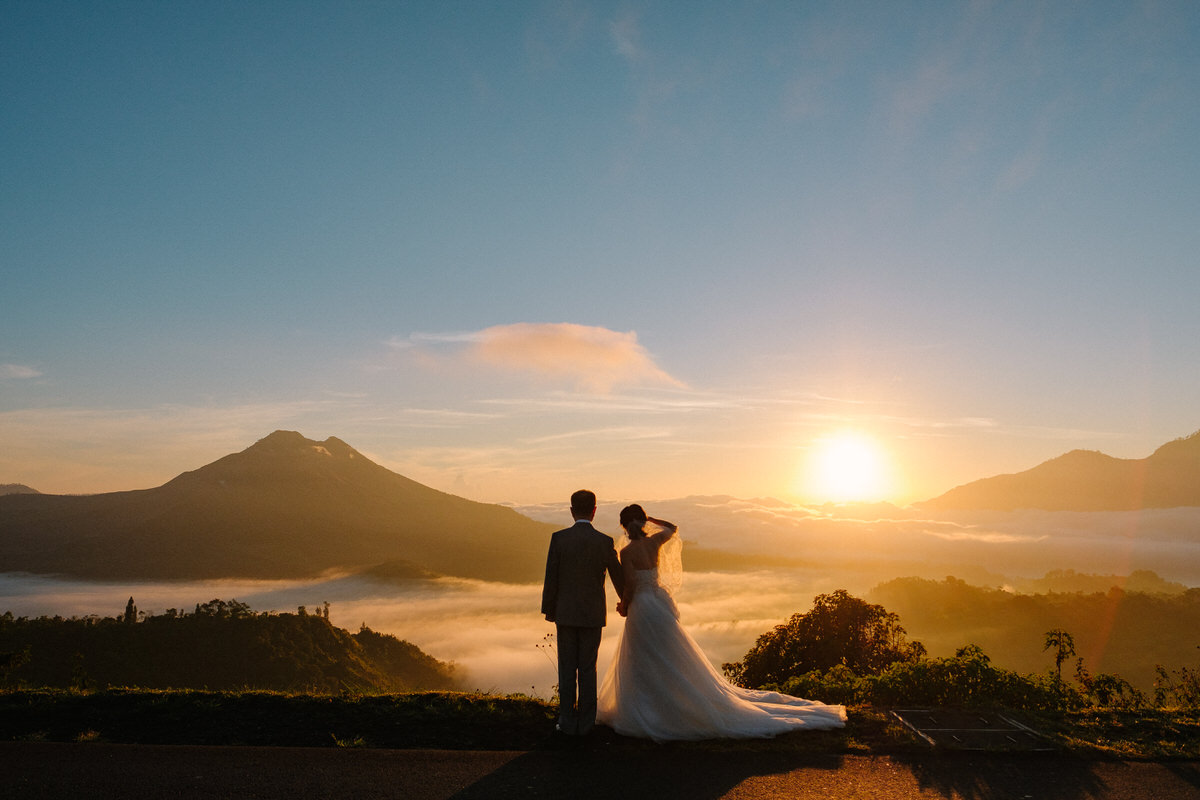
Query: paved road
[[95, 770]]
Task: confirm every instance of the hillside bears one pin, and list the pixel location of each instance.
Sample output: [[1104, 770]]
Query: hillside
[[1115, 631], [286, 507], [221, 646], [1086, 480]]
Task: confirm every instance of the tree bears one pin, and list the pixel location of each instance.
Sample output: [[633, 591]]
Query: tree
[[1064, 647], [839, 630], [131, 613]]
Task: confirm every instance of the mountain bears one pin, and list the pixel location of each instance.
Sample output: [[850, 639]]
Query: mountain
[[286, 507], [1086, 480], [16, 488]]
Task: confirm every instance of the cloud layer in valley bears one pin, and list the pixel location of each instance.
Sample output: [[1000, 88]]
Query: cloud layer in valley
[[790, 554]]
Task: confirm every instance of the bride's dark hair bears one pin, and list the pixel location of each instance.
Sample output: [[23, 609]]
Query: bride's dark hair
[[629, 516]]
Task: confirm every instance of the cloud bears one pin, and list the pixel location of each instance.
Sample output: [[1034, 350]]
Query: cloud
[[590, 358], [18, 372], [625, 37], [492, 631]]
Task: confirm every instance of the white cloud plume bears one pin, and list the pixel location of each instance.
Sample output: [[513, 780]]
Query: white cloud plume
[[590, 358]]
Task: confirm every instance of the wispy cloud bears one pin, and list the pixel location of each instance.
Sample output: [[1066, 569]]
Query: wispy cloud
[[18, 372], [670, 402], [623, 433], [589, 358], [625, 37]]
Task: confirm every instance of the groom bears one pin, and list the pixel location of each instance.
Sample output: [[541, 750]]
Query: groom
[[573, 599]]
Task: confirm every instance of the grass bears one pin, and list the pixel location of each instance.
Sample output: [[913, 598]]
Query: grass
[[458, 721], [1156, 734]]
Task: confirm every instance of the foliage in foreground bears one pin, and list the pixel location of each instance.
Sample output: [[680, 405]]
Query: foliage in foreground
[[449, 721], [847, 651], [444, 720], [221, 645]]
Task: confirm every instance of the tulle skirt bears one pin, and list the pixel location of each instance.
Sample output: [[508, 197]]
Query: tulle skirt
[[661, 686]]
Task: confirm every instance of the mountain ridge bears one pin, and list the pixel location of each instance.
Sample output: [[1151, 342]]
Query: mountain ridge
[[1088, 480], [285, 507]]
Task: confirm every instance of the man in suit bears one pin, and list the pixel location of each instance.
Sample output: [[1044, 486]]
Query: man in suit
[[573, 599]]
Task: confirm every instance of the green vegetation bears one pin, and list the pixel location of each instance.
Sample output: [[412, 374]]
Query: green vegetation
[[869, 665], [851, 652], [222, 645], [336, 689], [424, 719], [453, 721], [841, 630], [1116, 630]]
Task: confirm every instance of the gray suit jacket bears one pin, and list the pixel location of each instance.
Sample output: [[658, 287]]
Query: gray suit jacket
[[573, 593]]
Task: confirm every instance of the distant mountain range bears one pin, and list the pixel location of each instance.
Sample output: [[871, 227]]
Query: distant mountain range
[[290, 507], [286, 507], [1086, 480]]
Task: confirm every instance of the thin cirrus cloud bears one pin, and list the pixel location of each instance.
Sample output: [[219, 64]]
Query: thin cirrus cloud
[[18, 372], [589, 358]]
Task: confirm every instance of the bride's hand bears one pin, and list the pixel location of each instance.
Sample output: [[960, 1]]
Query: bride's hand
[[662, 523]]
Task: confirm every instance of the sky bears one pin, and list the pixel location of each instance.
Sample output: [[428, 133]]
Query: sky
[[654, 249]]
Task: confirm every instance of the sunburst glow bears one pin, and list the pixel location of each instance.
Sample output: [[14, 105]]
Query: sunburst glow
[[845, 467]]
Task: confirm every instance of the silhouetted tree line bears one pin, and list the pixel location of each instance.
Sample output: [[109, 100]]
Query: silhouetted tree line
[[846, 650], [221, 645]]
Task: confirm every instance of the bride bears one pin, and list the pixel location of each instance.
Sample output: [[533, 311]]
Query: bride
[[660, 684]]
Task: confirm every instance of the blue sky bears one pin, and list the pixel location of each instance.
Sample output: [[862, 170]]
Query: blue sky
[[654, 248]]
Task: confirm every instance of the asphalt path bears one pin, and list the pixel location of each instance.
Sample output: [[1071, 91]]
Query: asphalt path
[[99, 770]]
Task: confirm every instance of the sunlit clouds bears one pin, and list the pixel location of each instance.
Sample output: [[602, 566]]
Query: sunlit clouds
[[589, 358], [660, 249]]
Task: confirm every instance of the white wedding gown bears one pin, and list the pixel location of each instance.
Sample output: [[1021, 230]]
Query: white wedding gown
[[662, 687]]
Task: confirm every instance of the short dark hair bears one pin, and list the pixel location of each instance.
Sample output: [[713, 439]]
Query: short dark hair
[[583, 501]]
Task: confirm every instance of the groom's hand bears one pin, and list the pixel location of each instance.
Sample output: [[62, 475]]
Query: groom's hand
[[622, 609]]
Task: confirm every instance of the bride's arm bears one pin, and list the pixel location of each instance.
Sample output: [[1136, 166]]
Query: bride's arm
[[630, 588], [668, 530]]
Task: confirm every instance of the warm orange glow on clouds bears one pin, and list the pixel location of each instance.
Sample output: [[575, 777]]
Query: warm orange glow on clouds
[[589, 358]]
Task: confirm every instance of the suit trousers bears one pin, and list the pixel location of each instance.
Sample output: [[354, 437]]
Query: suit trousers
[[577, 651]]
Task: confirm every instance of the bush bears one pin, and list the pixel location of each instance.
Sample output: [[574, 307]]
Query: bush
[[840, 630], [968, 680], [1180, 689]]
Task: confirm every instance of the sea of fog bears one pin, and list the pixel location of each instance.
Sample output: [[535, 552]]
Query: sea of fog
[[494, 634]]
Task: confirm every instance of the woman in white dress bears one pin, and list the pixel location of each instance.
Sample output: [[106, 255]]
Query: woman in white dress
[[660, 685]]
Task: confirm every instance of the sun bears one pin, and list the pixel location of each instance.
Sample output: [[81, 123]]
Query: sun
[[845, 467]]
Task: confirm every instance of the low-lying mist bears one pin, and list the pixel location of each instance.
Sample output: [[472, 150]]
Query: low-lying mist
[[761, 561], [491, 631]]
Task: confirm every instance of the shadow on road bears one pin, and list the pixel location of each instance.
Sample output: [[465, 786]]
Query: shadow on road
[[972, 776], [665, 772]]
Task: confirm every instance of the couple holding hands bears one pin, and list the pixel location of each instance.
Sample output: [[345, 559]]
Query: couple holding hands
[[660, 685]]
